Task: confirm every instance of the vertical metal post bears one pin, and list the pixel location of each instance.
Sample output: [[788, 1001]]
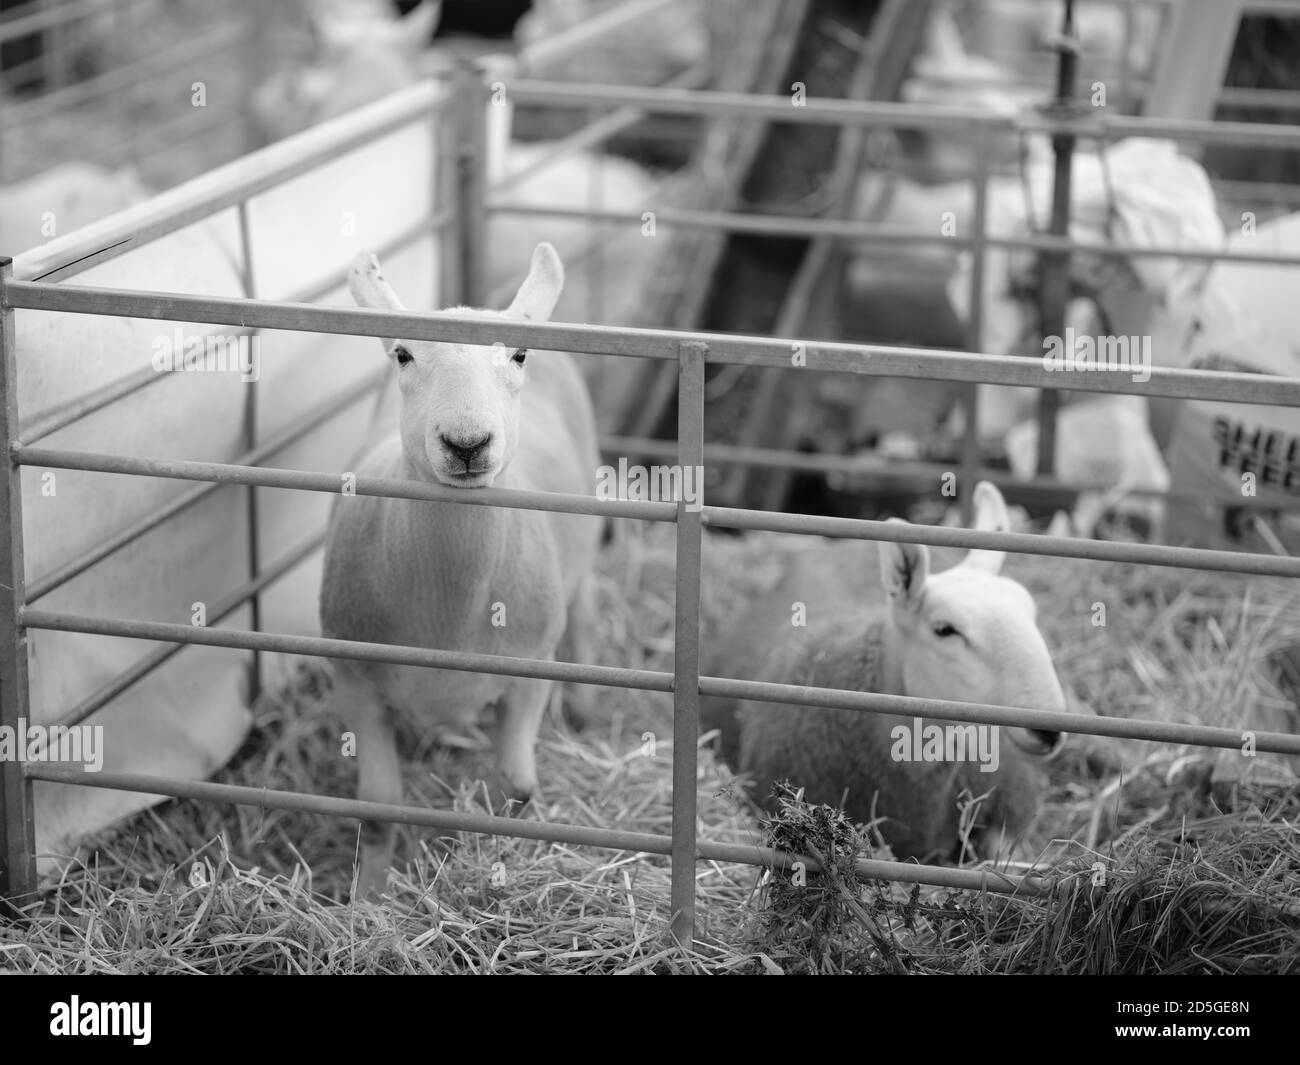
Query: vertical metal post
[[1127, 75], [120, 30], [52, 41], [17, 812], [686, 636], [445, 234], [255, 52], [473, 97], [249, 282], [970, 453], [716, 20], [1054, 266]]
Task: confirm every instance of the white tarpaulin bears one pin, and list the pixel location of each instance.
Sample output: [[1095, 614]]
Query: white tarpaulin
[[187, 718], [1247, 319], [1138, 194]]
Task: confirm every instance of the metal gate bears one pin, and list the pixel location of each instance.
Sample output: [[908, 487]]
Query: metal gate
[[691, 352]]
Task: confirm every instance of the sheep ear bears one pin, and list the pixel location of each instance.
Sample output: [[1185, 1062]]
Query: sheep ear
[[370, 289], [540, 292], [990, 516], [904, 569], [414, 31], [323, 27]]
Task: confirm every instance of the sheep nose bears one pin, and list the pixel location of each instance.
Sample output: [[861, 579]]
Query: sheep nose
[[467, 450]]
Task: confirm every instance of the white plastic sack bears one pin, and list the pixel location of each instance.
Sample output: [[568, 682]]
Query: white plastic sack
[[1247, 320]]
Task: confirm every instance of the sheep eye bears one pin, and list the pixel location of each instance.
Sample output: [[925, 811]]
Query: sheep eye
[[402, 355], [519, 356], [942, 629]]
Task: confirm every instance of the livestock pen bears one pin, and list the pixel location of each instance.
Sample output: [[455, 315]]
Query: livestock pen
[[38, 282]]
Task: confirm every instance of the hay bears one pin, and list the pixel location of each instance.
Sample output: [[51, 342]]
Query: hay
[[1201, 866]]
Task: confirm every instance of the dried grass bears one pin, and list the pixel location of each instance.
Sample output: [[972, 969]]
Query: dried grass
[[1201, 866]]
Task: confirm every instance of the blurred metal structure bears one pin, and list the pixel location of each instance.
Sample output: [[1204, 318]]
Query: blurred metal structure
[[64, 30], [234, 184]]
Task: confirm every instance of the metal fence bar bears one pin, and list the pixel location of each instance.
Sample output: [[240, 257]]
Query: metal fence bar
[[832, 111], [799, 226], [587, 33], [42, 16], [1016, 543], [658, 681], [167, 136], [871, 465], [596, 133], [970, 456], [1048, 242], [726, 517], [871, 359], [20, 23], [471, 183], [1002, 716], [301, 480], [546, 831], [686, 640], [1281, 99], [212, 42], [1053, 267], [17, 824], [576, 256], [248, 279], [319, 647]]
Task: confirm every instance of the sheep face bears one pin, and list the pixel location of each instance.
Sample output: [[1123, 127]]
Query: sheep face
[[969, 634], [459, 420]]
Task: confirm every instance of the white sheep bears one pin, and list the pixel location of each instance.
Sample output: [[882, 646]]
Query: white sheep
[[365, 53], [456, 577], [965, 634]]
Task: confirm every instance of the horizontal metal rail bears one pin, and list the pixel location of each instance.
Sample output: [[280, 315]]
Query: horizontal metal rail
[[214, 41], [596, 133], [1016, 543], [726, 517], [320, 647], [833, 112], [331, 484], [1281, 99], [169, 136], [876, 233], [871, 359], [592, 30], [520, 828], [869, 465], [657, 681], [578, 258], [21, 23]]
